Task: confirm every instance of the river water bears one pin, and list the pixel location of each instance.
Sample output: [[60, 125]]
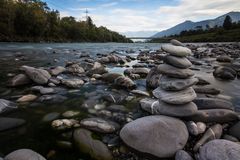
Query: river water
[[37, 134]]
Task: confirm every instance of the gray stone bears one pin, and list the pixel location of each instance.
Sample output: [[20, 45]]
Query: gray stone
[[27, 98], [160, 136], [52, 98], [24, 154], [57, 70], [63, 124], [143, 72], [39, 76], [70, 114], [206, 90], [50, 117], [124, 82], [226, 73], [179, 62], [182, 155], [202, 81], [100, 125], [176, 42], [157, 107], [235, 130], [192, 128], [43, 90], [86, 144], [141, 93], [214, 132], [75, 69], [224, 58], [214, 115], [176, 50], [73, 83], [174, 72], [174, 84], [153, 78], [230, 138], [110, 77], [10, 123], [213, 103], [179, 97], [7, 106], [97, 68], [19, 80], [220, 150]]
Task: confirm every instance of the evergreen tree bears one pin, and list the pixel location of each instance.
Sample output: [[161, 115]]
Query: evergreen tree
[[227, 24]]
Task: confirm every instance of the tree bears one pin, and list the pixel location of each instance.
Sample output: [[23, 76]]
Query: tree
[[227, 24]]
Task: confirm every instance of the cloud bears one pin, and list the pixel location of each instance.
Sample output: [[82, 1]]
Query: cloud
[[109, 4]]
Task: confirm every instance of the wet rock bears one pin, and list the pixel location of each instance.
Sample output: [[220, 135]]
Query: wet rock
[[57, 70], [7, 106], [235, 130], [27, 98], [206, 90], [143, 72], [70, 114], [174, 72], [202, 81], [64, 144], [167, 136], [230, 138], [86, 144], [39, 76], [43, 90], [220, 150], [100, 125], [63, 124], [214, 115], [52, 98], [174, 84], [201, 127], [24, 154], [179, 62], [224, 58], [153, 78], [226, 73], [10, 123], [124, 82], [97, 68], [155, 106], [75, 69], [134, 76], [182, 155], [50, 117], [73, 83], [176, 50], [176, 43], [196, 128], [213, 103], [110, 77], [19, 80], [214, 132], [179, 97], [141, 93]]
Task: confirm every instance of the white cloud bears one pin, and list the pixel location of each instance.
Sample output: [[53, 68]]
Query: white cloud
[[109, 4]]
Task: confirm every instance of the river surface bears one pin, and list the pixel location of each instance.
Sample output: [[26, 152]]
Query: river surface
[[37, 134]]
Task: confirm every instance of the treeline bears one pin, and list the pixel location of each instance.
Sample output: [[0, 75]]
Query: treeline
[[34, 21], [228, 32]]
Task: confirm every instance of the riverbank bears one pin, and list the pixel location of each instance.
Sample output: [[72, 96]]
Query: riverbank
[[72, 100]]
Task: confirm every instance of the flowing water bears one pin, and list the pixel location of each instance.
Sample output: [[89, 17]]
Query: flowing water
[[37, 134]]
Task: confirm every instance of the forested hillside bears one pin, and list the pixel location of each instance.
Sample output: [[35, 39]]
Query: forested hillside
[[34, 21]]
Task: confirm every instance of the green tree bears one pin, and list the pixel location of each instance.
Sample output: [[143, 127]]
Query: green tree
[[227, 24]]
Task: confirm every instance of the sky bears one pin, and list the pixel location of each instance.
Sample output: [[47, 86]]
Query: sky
[[143, 17]]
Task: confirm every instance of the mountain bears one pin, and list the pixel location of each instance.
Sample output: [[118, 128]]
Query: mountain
[[139, 33], [189, 25]]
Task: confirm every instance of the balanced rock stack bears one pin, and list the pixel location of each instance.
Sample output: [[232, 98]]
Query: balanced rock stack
[[174, 94]]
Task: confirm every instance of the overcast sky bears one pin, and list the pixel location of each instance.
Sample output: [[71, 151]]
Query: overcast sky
[[143, 15]]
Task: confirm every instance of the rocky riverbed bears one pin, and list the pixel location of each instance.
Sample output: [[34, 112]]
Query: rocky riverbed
[[170, 101]]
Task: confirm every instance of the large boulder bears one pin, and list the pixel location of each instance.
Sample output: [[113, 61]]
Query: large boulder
[[7, 106], [160, 136], [24, 154], [39, 76], [220, 149], [155, 106], [86, 144], [175, 84], [172, 71], [176, 50], [179, 97]]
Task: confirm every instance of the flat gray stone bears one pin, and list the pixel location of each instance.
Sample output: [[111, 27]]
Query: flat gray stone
[[24, 154], [213, 103], [178, 97], [157, 135], [153, 78], [175, 72], [176, 50], [179, 62], [235, 130], [182, 155], [10, 123], [220, 149], [176, 42], [174, 84], [154, 106]]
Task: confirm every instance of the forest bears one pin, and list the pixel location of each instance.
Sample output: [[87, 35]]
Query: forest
[[34, 21]]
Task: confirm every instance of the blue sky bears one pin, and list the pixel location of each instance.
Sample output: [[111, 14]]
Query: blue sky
[[130, 16]]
